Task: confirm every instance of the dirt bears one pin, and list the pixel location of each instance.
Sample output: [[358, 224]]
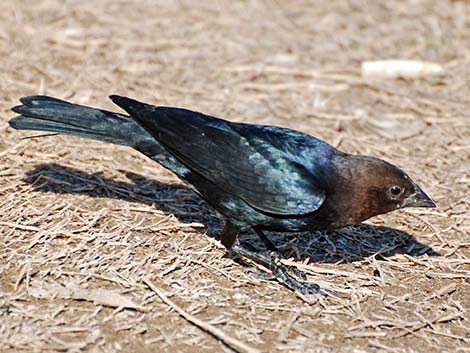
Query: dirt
[[85, 226]]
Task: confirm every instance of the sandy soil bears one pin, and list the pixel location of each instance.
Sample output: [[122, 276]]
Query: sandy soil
[[91, 233]]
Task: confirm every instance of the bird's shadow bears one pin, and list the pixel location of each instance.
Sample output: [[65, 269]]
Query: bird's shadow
[[349, 244]]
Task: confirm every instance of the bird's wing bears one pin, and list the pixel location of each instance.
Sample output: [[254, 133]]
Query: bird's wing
[[245, 160]]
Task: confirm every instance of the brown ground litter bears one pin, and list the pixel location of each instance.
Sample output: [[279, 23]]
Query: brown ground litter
[[86, 226]]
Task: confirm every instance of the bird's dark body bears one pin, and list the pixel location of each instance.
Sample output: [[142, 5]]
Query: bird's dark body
[[194, 139], [256, 176], [212, 148]]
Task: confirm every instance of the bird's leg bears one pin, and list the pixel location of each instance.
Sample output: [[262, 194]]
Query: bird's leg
[[267, 242], [229, 235], [271, 247], [228, 238], [279, 271]]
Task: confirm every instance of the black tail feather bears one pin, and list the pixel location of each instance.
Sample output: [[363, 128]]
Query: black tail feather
[[43, 113], [51, 114]]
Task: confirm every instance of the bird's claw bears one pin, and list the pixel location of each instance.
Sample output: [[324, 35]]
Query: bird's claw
[[298, 273], [279, 271], [282, 275]]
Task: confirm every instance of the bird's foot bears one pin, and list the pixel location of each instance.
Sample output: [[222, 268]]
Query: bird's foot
[[297, 273], [279, 271]]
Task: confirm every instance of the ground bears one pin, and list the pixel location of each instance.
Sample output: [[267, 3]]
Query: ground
[[91, 233]]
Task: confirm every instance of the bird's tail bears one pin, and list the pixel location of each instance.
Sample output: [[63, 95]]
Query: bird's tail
[[54, 115]]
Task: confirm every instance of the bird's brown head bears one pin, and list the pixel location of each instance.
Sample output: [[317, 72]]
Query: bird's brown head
[[378, 187]]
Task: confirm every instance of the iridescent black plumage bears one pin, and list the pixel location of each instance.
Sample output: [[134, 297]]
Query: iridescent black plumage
[[256, 176]]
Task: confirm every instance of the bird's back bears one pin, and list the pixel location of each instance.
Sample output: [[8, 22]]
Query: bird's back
[[277, 172]]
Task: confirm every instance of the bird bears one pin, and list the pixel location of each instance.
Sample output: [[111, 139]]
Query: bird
[[257, 177]]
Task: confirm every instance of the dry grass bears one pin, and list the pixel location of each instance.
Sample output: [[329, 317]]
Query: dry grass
[[86, 226]]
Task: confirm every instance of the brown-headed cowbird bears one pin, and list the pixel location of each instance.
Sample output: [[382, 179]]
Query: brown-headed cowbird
[[258, 177]]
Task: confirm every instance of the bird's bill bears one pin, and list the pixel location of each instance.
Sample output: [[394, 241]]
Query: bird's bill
[[418, 199]]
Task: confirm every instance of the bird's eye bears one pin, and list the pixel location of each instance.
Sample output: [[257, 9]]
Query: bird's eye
[[395, 190]]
